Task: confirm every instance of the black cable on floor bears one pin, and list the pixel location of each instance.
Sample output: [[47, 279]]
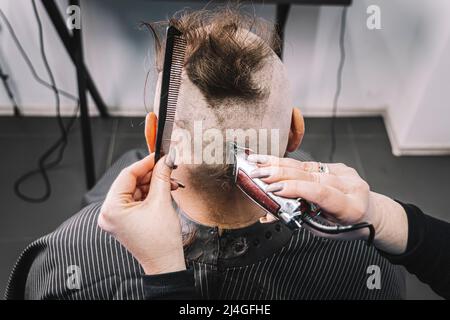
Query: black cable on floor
[[338, 83], [58, 146]]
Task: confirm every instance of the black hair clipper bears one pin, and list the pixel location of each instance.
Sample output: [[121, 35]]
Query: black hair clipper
[[295, 213]]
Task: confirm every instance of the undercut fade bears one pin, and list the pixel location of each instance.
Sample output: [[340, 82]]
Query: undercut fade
[[221, 55]]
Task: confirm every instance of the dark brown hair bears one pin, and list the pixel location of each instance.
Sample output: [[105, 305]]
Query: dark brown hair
[[220, 59]]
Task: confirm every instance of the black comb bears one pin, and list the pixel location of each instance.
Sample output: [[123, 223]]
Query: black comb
[[170, 86]]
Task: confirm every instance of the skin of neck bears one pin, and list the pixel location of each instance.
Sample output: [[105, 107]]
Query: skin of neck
[[207, 203]]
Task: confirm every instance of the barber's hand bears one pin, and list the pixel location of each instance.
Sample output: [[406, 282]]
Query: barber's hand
[[342, 194], [138, 212]]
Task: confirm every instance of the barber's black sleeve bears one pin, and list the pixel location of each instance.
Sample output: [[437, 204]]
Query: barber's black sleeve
[[170, 286], [427, 253]]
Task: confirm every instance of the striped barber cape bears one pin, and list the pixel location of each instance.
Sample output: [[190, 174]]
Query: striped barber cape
[[262, 261]]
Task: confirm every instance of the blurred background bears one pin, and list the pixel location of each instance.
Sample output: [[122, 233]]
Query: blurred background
[[393, 113]]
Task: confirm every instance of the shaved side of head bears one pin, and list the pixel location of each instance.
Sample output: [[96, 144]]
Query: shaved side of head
[[232, 80]]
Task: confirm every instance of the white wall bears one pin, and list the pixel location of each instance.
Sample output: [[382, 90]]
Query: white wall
[[31, 96], [400, 71], [418, 117]]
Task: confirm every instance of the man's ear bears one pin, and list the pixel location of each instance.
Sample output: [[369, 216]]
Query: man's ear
[[297, 131], [151, 124]]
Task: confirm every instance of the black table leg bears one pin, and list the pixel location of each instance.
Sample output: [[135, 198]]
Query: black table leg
[[74, 47], [89, 164], [281, 19], [68, 41]]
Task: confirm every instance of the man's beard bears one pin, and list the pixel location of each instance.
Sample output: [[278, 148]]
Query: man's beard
[[212, 178]]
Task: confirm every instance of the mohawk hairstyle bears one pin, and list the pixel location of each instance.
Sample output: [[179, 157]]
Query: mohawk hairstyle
[[220, 57]]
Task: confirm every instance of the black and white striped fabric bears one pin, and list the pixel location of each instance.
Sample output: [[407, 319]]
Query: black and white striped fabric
[[262, 261]]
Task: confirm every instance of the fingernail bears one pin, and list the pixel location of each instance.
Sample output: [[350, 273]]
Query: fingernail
[[275, 187], [260, 173], [258, 158], [170, 159], [180, 184]]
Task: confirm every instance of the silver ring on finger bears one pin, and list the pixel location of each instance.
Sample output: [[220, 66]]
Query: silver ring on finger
[[323, 168]]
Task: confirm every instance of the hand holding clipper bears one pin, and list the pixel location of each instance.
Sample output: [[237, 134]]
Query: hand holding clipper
[[276, 184]]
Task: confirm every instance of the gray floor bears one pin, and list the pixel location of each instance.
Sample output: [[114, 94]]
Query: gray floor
[[361, 143]]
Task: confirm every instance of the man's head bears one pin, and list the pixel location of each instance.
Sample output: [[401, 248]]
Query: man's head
[[234, 87]]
